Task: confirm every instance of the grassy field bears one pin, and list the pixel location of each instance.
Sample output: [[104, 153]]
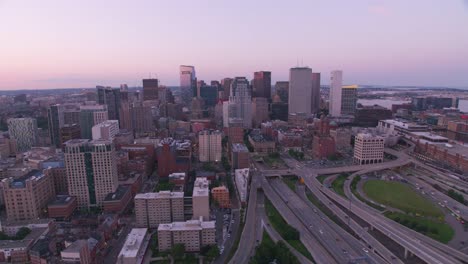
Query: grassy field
[[400, 196], [338, 184], [287, 232], [321, 178], [439, 231], [355, 192], [291, 182]]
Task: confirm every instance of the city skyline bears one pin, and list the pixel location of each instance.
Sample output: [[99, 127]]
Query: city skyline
[[55, 44]]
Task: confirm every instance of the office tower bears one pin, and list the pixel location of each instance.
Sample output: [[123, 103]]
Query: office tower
[[142, 120], [348, 99], [125, 115], [240, 156], [152, 209], [56, 120], [91, 170], [368, 149], [196, 92], [210, 147], [209, 94], [110, 97], [315, 105], [71, 116], [336, 83], [259, 110], [282, 90], [68, 132], [262, 84], [193, 234], [226, 86], [201, 199], [323, 145], [150, 89], [24, 131], [239, 105], [26, 197], [188, 82], [106, 130], [196, 106], [300, 90], [91, 115]]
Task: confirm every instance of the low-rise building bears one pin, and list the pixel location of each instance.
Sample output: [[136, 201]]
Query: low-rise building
[[221, 195], [368, 149], [117, 201], [261, 143], [240, 156], [77, 252], [134, 247], [62, 207], [194, 234], [241, 179]]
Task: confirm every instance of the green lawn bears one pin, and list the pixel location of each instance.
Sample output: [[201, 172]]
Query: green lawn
[[321, 178], [291, 182], [287, 232], [439, 231], [338, 184], [400, 196]]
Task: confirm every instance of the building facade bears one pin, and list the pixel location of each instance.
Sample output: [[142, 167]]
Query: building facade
[[239, 105], [152, 209], [349, 99], [91, 115], [300, 90], [105, 130], [193, 234], [150, 89], [210, 148], [262, 84], [24, 131], [336, 83], [368, 149], [201, 199]]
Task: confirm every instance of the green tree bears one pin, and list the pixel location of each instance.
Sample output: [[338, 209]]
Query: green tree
[[178, 251], [212, 253]]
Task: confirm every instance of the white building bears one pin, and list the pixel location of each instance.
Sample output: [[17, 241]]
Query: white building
[[24, 131], [209, 145], [392, 126], [194, 234], [336, 84], [368, 149], [242, 182], [134, 247], [239, 105], [201, 199], [91, 170], [300, 90], [152, 209], [106, 130]]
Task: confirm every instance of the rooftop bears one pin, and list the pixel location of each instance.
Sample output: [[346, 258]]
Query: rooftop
[[186, 226], [133, 243], [62, 200], [239, 147], [201, 187], [159, 195], [118, 194]]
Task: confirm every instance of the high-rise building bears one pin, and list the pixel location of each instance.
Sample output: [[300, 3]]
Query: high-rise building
[[110, 97], [56, 120], [142, 120], [210, 147], [201, 199], [239, 105], [348, 99], [368, 149], [91, 170], [226, 86], [315, 103], [259, 110], [152, 209], [300, 90], [26, 197], [24, 131], [336, 84], [282, 90], [106, 130], [91, 115], [193, 234], [262, 84], [209, 94], [150, 89], [188, 82], [240, 156], [125, 115], [323, 145], [68, 132]]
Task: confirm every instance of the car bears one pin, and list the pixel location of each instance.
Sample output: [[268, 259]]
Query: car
[[365, 250]]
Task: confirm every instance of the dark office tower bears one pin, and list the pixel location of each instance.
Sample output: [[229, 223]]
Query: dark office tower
[[142, 119], [262, 84], [196, 92], [209, 94], [150, 89], [125, 121], [282, 90], [56, 121], [226, 86], [315, 105], [111, 98]]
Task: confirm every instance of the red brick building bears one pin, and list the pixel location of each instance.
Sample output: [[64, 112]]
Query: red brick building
[[221, 196], [62, 207], [323, 144]]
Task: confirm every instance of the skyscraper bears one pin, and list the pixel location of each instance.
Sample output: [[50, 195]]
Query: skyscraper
[[336, 83], [150, 89], [259, 110], [91, 170], [348, 99], [56, 120], [262, 84], [226, 86], [210, 147], [24, 131], [110, 97], [188, 82], [125, 121], [91, 115], [315, 106], [239, 105], [282, 90], [300, 90]]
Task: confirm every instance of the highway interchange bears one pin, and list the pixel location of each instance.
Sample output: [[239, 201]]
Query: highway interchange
[[323, 238]]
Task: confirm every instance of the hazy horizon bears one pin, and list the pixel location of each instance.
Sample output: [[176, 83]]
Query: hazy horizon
[[61, 44]]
